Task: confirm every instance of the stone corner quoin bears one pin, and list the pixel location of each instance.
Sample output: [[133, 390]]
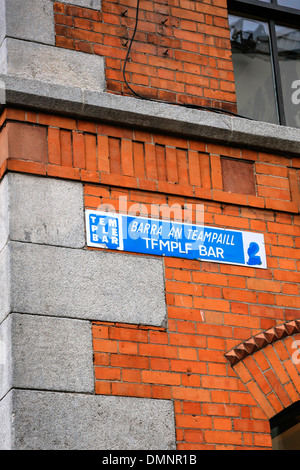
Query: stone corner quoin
[[143, 344]]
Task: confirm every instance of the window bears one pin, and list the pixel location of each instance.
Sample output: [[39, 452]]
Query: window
[[285, 429], [265, 42]]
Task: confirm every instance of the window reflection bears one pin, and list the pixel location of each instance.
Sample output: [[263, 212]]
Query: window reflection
[[285, 429], [253, 71], [287, 440], [288, 44], [289, 3]]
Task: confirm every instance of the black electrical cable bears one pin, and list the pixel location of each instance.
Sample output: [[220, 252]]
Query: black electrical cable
[[207, 108], [129, 49]]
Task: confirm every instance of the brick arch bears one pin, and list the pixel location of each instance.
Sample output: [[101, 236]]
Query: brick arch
[[269, 366]]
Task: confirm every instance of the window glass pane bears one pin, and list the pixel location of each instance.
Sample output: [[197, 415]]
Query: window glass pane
[[253, 71], [289, 3], [288, 439], [288, 43], [285, 428]]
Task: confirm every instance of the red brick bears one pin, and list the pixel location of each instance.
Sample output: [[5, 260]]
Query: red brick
[[127, 334], [102, 388], [210, 307], [181, 43], [63, 172], [158, 377], [139, 160], [66, 148], [90, 145], [262, 440], [103, 153], [105, 373], [131, 390], [27, 142], [251, 425], [54, 155], [162, 392], [78, 149], [101, 359], [26, 167], [157, 350], [223, 437], [4, 152], [57, 121]]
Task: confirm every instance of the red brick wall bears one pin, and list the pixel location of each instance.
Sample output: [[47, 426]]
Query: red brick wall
[[212, 308], [181, 53], [126, 157]]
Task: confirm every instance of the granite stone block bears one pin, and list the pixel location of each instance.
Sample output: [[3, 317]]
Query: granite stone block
[[5, 291], [59, 421], [46, 353], [4, 217], [87, 284], [43, 210], [31, 20], [92, 4], [51, 64]]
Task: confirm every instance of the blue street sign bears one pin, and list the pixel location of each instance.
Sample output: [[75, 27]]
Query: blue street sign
[[168, 238]]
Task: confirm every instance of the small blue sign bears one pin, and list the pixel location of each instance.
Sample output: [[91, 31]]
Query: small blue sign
[[168, 238]]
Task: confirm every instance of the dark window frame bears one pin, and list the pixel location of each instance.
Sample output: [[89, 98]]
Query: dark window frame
[[273, 14], [285, 419]]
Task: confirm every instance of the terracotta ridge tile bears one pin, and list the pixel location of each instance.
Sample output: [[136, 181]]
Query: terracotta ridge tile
[[261, 340]]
